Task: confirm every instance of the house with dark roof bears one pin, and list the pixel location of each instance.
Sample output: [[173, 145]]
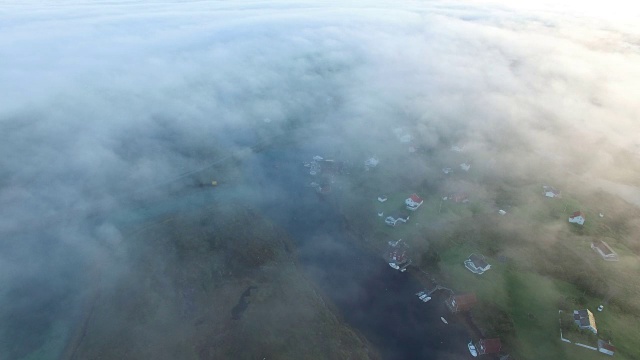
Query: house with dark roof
[[489, 346], [463, 302], [397, 255], [413, 202], [604, 250], [606, 347], [551, 192], [476, 264], [577, 218], [585, 320]]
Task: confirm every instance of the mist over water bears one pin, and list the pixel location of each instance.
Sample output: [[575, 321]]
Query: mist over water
[[115, 114]]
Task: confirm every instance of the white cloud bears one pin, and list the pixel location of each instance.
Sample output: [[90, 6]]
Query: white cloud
[[101, 97]]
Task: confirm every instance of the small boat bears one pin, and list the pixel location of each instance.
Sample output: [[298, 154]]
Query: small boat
[[420, 293], [426, 298], [472, 349], [443, 320]]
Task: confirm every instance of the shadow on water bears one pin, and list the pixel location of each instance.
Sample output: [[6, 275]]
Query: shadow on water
[[373, 298]]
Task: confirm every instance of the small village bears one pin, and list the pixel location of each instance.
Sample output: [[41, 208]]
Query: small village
[[576, 325]]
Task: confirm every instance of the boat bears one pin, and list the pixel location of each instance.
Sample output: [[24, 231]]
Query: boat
[[420, 293], [443, 320], [427, 298], [393, 265], [472, 349]]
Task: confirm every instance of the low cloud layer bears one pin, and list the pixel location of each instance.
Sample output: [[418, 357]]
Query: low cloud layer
[[103, 104]]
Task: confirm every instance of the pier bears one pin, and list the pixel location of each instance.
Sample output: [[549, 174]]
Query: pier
[[436, 288]]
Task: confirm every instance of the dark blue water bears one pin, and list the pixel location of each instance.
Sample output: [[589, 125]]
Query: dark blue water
[[373, 298]]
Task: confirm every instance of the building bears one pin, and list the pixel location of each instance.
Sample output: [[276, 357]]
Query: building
[[577, 218], [585, 320], [395, 218], [396, 255], [460, 197], [606, 347], [371, 162], [413, 202], [489, 346], [465, 166], [551, 192], [464, 302], [476, 264], [604, 250]]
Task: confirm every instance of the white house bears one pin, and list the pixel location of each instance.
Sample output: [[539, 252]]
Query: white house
[[577, 218], [585, 320], [551, 192], [394, 219], [476, 264], [606, 347], [604, 250], [465, 166], [413, 202], [371, 163]]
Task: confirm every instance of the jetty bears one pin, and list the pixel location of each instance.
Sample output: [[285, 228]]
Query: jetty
[[436, 288]]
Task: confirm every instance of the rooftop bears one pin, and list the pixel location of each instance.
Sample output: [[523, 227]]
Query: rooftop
[[478, 261], [585, 318], [415, 198], [603, 247], [577, 213]]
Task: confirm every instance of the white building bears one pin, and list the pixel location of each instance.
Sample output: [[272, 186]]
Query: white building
[[604, 250], [371, 163], [394, 219], [606, 347], [413, 202], [577, 218], [465, 166], [551, 192], [585, 320], [476, 264]]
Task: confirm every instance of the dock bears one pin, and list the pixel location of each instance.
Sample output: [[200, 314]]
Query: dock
[[436, 288]]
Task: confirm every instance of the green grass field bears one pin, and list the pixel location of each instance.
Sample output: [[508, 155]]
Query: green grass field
[[532, 302], [516, 287]]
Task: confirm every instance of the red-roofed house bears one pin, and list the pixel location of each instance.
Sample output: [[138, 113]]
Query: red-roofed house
[[577, 218], [464, 302], [606, 347], [489, 346], [413, 202]]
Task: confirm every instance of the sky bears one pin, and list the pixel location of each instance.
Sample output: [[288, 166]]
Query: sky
[[104, 101]]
